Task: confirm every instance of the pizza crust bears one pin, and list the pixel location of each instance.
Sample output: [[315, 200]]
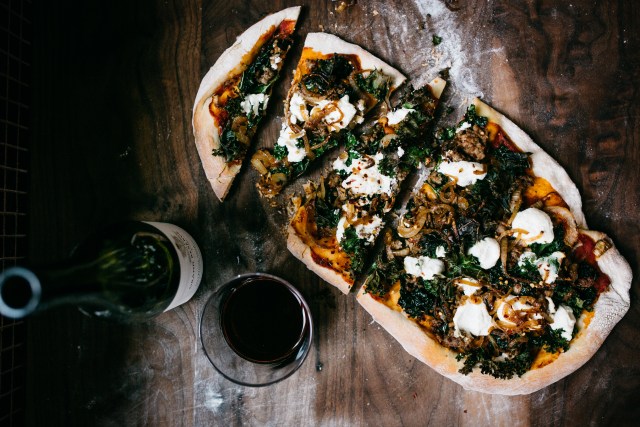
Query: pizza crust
[[608, 310], [302, 251], [205, 130]]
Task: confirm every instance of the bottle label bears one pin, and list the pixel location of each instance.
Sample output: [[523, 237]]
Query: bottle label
[[190, 262]]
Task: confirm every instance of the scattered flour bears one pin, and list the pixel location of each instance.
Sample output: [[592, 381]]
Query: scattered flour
[[212, 400], [460, 56]]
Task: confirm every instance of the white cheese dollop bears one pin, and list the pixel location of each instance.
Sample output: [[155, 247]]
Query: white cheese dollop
[[535, 226], [440, 252], [298, 109], [564, 319], [487, 251], [515, 305], [400, 152], [395, 117], [253, 102], [340, 228], [466, 173], [468, 285], [463, 126], [472, 318], [289, 139], [365, 177], [340, 113], [274, 60], [368, 231], [423, 266], [547, 266]]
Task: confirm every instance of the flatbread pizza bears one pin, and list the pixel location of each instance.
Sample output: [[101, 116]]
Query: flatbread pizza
[[335, 85], [335, 226], [489, 275], [233, 96]]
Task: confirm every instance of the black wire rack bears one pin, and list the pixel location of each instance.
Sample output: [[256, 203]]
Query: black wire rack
[[15, 73]]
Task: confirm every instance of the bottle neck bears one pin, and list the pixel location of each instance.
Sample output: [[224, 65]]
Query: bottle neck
[[24, 291]]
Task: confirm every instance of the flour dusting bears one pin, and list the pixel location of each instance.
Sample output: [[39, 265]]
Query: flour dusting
[[212, 400], [452, 52]]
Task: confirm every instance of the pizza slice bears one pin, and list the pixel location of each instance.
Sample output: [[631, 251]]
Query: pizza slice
[[335, 84], [490, 275], [233, 96], [335, 227]]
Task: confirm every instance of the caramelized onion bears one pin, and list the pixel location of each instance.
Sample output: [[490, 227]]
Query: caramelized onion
[[386, 140], [413, 229], [602, 246], [447, 193], [571, 227]]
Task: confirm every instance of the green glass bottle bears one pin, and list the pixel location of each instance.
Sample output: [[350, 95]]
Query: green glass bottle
[[129, 271]]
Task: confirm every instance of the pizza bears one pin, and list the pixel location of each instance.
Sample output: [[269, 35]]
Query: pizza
[[234, 94], [336, 224], [489, 274], [334, 86]]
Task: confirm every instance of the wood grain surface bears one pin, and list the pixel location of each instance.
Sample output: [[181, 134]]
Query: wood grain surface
[[113, 86]]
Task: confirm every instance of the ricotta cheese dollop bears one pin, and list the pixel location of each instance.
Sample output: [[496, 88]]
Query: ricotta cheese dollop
[[395, 117], [364, 176], [423, 266], [298, 109], [466, 173], [547, 266], [367, 230], [487, 251], [468, 285], [253, 102], [564, 319], [339, 113], [289, 139], [472, 318], [533, 226]]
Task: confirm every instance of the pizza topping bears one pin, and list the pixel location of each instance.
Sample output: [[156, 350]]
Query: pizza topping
[[353, 197], [254, 104], [465, 173], [288, 140], [336, 115], [564, 320], [533, 226], [487, 251], [330, 94], [548, 266], [468, 285], [366, 228], [365, 177], [395, 117], [473, 318], [498, 316], [423, 266], [239, 104]]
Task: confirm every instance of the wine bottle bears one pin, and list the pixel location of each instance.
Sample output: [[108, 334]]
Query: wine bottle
[[129, 271]]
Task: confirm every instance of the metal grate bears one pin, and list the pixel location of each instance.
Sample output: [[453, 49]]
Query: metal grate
[[15, 63]]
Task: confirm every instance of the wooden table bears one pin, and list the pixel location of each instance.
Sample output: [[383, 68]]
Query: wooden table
[[113, 89]]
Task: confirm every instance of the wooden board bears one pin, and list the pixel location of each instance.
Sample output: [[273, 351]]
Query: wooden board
[[113, 86]]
